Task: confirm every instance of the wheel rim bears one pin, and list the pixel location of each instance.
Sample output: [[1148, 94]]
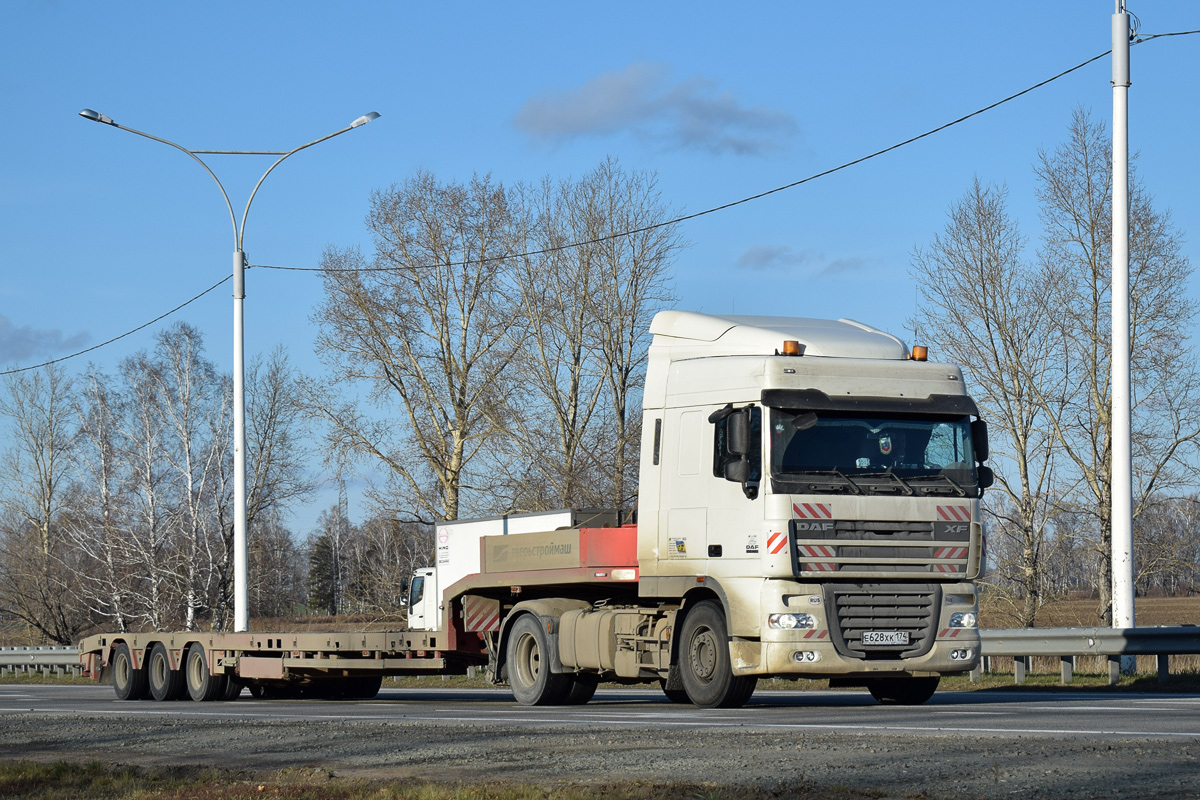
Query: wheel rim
[[703, 654], [121, 671], [195, 665], [158, 670], [529, 659]]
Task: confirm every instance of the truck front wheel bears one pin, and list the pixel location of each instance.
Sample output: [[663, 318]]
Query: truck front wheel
[[529, 675], [129, 682], [704, 660], [903, 691]]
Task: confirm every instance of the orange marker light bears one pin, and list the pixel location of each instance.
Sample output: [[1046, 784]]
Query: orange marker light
[[791, 348], [920, 353]]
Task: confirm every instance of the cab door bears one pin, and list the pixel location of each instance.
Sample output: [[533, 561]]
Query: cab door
[[423, 599]]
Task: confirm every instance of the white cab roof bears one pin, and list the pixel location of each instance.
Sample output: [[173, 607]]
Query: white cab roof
[[843, 338]]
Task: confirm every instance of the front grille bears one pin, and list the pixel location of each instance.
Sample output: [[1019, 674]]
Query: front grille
[[863, 549], [856, 608]]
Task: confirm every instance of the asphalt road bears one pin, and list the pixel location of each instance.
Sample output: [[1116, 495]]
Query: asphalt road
[[1038, 714], [959, 745]]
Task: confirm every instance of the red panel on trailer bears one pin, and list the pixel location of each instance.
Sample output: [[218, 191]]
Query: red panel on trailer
[[609, 547]]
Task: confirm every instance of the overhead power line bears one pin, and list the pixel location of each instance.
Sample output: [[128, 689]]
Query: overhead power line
[[120, 337], [1139, 39], [723, 206]]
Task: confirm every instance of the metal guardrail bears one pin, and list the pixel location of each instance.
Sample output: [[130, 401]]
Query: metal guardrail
[[42, 660], [1022, 644]]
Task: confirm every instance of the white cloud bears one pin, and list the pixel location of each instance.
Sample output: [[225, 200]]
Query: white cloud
[[18, 344], [779, 258], [641, 100]]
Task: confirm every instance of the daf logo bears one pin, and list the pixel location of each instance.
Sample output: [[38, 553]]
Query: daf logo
[[814, 526]]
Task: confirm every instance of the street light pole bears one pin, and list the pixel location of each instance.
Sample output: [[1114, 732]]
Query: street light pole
[[1122, 394], [241, 593]]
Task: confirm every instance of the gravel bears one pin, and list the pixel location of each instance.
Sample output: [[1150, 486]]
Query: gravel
[[874, 765]]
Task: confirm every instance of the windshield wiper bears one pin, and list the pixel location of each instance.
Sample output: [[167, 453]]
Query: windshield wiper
[[904, 485], [959, 490], [835, 472]]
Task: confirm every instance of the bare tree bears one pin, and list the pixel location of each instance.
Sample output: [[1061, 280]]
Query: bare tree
[[192, 405], [598, 252], [1076, 196], [638, 250], [982, 307], [37, 574], [96, 532], [430, 326], [38, 408]]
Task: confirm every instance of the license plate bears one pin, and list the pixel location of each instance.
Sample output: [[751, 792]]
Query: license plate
[[884, 638]]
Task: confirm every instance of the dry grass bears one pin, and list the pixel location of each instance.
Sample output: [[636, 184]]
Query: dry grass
[[26, 780], [995, 611]]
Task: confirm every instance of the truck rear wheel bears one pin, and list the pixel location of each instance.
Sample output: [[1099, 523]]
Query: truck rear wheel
[[165, 683], [129, 682], [529, 675], [583, 688], [674, 695], [903, 691], [704, 660], [202, 685]]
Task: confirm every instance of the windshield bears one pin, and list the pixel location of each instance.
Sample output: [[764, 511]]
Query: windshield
[[847, 448]]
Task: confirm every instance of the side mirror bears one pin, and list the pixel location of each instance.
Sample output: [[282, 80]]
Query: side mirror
[[739, 435], [738, 470], [979, 440], [986, 477], [404, 586]]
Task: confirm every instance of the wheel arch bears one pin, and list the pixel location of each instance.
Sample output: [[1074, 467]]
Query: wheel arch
[[548, 610]]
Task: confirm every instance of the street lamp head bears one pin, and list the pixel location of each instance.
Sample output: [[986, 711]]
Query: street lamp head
[[96, 116], [363, 120]]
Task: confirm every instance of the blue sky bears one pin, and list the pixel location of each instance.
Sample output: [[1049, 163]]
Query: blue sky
[[101, 231]]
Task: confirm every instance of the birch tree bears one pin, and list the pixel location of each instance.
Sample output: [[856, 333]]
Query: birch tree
[[982, 307], [429, 324]]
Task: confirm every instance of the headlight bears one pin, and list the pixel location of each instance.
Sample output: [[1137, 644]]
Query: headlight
[[965, 619], [789, 621]]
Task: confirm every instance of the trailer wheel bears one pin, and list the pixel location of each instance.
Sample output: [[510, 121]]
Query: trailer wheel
[[165, 683], [903, 691], [129, 682], [704, 660], [529, 675], [233, 688], [202, 685]]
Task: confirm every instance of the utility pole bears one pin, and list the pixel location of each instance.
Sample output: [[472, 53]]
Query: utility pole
[[1122, 398]]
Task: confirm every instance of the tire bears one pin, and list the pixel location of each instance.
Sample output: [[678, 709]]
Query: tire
[[674, 695], [529, 675], [704, 660], [903, 691], [129, 683], [233, 688], [165, 683], [202, 686], [583, 688], [362, 687]]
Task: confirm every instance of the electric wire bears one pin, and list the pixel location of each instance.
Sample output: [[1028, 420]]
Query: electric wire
[[714, 209], [1138, 39], [120, 337]]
